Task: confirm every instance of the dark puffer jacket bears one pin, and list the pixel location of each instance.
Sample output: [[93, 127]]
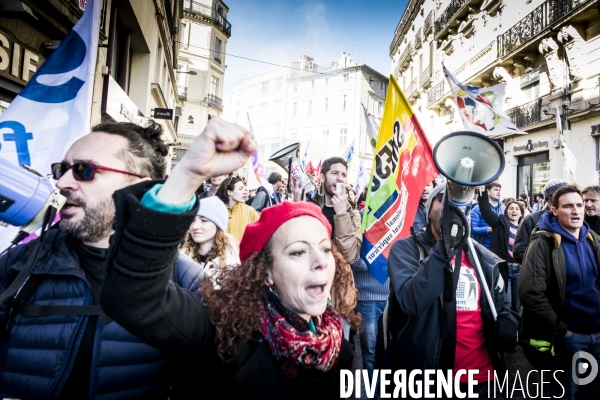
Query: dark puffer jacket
[[37, 354]]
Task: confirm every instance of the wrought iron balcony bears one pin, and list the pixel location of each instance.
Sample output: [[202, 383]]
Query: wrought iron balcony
[[535, 22], [435, 93], [426, 76], [412, 88], [448, 15], [214, 102], [182, 92], [405, 57], [428, 23], [209, 13], [527, 114], [418, 39], [2, 109]]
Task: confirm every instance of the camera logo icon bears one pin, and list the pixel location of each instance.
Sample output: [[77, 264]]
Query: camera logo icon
[[584, 368]]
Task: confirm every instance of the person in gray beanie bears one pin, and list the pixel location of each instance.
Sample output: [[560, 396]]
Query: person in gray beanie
[[531, 221], [207, 241]]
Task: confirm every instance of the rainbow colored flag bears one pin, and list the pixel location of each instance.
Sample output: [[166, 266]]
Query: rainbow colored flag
[[402, 167]]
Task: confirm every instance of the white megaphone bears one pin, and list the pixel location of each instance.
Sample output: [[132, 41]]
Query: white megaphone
[[467, 159]]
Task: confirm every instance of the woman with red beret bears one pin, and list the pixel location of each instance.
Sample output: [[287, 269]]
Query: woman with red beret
[[269, 330]]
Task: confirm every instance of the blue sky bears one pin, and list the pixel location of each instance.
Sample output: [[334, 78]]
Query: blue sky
[[278, 31]]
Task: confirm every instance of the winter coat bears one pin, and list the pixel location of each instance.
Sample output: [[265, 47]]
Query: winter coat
[[418, 288], [527, 226], [479, 226], [122, 366], [420, 218], [543, 284], [137, 293], [347, 236], [593, 222], [239, 217]]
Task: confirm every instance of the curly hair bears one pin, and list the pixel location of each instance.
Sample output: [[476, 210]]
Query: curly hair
[[218, 251], [513, 201], [234, 300]]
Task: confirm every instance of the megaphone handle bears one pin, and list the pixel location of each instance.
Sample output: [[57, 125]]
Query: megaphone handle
[[483, 281], [289, 181]]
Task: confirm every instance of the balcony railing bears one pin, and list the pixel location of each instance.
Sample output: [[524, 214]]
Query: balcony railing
[[539, 19], [208, 12], [2, 109], [527, 114], [435, 93], [448, 15], [428, 23], [418, 39], [182, 92], [412, 88], [408, 52], [214, 102], [426, 75]]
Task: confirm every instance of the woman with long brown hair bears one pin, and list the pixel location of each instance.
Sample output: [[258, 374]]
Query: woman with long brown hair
[[271, 328], [234, 193], [207, 241]]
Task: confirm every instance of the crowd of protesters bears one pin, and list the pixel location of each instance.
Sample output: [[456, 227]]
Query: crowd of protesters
[[147, 287]]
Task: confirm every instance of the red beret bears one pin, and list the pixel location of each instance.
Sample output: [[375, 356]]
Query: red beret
[[258, 233]]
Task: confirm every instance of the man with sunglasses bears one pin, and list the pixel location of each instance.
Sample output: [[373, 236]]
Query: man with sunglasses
[[85, 354], [430, 333]]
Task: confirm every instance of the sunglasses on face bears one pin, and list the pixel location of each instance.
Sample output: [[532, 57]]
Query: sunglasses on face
[[82, 171]]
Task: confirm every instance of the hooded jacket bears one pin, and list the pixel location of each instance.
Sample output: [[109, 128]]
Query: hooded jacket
[[560, 277], [418, 287], [527, 226], [479, 226]]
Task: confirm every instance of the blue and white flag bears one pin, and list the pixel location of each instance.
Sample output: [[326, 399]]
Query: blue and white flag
[[349, 153], [54, 109]]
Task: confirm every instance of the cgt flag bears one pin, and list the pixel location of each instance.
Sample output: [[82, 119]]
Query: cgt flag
[[402, 167], [54, 109]]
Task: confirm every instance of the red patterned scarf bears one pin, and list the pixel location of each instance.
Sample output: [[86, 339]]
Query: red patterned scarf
[[296, 348]]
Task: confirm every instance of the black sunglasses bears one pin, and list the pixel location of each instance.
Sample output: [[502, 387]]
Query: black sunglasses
[[82, 171]]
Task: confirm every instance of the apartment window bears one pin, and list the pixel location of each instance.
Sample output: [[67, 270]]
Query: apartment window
[[370, 80], [277, 106], [261, 149], [217, 55], [344, 99], [309, 108], [326, 104], [279, 84], [294, 135], [325, 133], [265, 88], [294, 109], [276, 129], [262, 131], [214, 86], [346, 77], [308, 135], [263, 110], [379, 108], [312, 84], [343, 137], [251, 111], [295, 87]]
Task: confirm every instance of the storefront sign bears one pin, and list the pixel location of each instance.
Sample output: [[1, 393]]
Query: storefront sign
[[595, 129], [531, 145], [530, 77], [18, 62], [120, 107], [163, 113]]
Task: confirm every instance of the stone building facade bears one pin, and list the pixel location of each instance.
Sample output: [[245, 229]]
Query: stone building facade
[[546, 52], [305, 102], [204, 31]]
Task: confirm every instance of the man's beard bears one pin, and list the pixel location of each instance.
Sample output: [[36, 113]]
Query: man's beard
[[327, 188], [96, 223]]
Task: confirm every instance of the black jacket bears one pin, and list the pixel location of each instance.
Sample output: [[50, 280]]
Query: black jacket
[[137, 293], [524, 235], [418, 288], [593, 222]]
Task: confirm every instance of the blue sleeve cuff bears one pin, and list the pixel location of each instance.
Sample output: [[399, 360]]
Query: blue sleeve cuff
[[149, 200]]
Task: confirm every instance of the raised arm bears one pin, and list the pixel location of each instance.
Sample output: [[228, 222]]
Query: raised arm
[[487, 214]]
